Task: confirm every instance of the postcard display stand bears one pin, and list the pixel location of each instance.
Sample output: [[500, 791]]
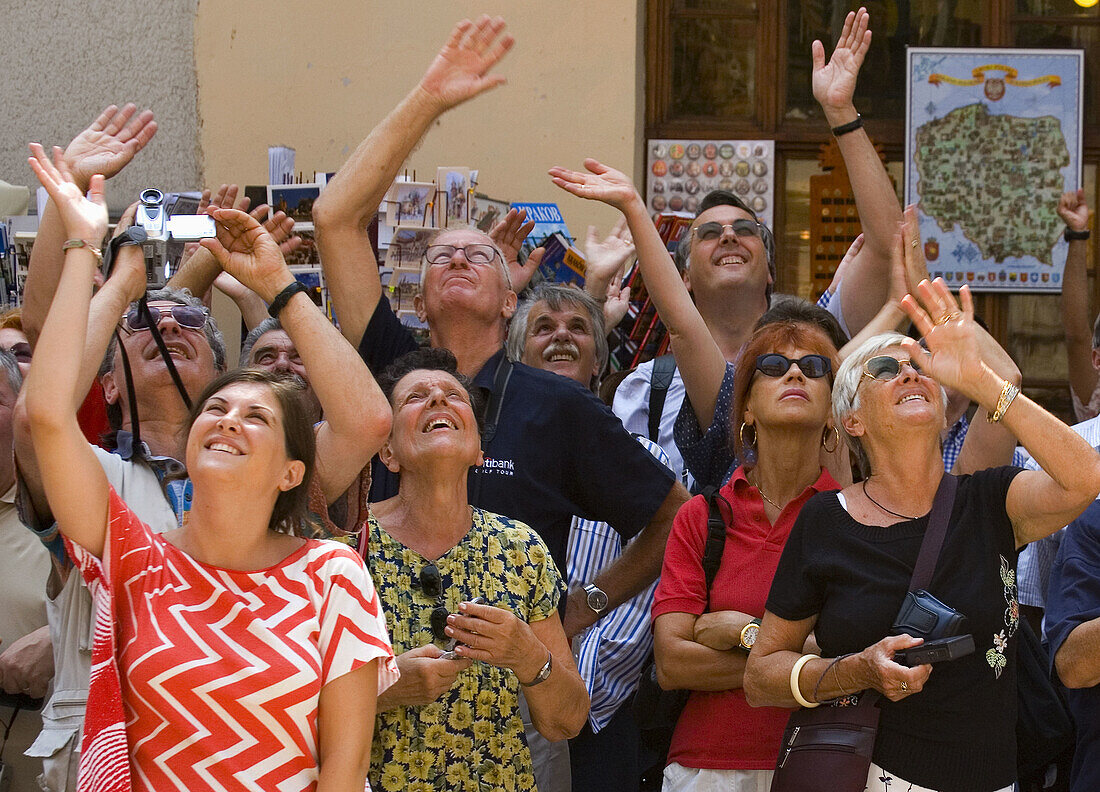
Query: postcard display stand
[[304, 263], [679, 174]]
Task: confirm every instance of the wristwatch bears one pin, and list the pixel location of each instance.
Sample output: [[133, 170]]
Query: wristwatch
[[748, 635], [597, 599], [544, 672]]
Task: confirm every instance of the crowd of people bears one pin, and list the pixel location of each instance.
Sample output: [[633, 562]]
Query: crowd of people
[[352, 562]]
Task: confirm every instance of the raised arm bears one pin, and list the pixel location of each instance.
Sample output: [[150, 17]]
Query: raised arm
[[1076, 318], [697, 354], [105, 147], [344, 209], [357, 415], [1039, 501], [510, 234], [75, 484], [866, 282]]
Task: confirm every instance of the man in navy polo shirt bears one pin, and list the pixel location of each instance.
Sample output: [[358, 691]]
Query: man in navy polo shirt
[[1073, 633], [553, 450]]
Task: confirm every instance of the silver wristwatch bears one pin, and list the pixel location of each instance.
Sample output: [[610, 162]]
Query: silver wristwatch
[[597, 598], [543, 674]]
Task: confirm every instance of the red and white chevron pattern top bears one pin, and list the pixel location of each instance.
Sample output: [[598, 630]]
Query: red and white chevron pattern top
[[221, 670]]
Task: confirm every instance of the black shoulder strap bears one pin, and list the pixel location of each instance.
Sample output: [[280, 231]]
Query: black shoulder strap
[[935, 533], [660, 380], [496, 399], [716, 537]]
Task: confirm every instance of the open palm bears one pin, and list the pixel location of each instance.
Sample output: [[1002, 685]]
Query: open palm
[[834, 83], [246, 250], [109, 144], [84, 217], [460, 70]]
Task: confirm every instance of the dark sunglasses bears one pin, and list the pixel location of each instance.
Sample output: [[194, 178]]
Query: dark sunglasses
[[713, 229], [189, 316], [21, 351], [885, 367], [431, 583], [775, 365]]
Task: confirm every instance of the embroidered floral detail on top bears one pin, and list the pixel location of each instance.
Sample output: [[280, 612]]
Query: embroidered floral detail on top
[[996, 656]]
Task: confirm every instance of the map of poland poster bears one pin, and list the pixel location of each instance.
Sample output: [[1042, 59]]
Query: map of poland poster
[[993, 139]]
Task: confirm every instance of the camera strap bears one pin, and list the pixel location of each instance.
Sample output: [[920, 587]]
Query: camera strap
[[934, 534], [143, 307]]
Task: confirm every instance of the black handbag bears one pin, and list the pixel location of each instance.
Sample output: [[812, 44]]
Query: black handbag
[[656, 710], [1044, 725], [830, 747]]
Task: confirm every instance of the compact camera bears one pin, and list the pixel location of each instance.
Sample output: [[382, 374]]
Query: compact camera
[[169, 220], [924, 616]]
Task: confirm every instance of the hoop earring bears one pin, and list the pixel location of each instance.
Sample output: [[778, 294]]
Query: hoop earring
[[741, 435], [825, 438]]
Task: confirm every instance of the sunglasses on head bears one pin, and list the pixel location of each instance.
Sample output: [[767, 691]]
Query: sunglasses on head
[[885, 367], [775, 365], [713, 229], [431, 583], [190, 316]]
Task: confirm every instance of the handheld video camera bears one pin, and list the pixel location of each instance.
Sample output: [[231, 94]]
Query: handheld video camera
[[168, 222]]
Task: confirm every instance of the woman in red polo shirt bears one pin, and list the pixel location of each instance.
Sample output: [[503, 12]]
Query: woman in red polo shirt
[[782, 404]]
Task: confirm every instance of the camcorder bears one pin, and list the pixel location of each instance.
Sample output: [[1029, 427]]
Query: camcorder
[[168, 221]]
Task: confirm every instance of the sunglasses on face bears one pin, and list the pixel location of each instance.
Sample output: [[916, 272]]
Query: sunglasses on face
[[475, 254], [712, 230], [21, 352], [885, 367], [189, 316], [775, 365], [431, 583]]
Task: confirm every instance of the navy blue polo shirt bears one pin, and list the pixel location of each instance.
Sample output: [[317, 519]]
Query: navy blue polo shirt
[[557, 451], [1073, 598]]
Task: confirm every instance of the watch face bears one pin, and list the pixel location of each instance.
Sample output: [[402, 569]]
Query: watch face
[[748, 635], [597, 600]]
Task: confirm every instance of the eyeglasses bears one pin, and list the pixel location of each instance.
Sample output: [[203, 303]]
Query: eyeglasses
[[21, 352], [713, 229], [775, 365], [189, 316], [475, 254], [431, 583], [885, 367]]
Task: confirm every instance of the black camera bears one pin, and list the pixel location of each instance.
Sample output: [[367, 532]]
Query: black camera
[[924, 616]]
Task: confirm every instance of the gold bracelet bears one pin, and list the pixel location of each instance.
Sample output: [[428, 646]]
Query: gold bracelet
[[72, 244], [796, 669], [1008, 393]]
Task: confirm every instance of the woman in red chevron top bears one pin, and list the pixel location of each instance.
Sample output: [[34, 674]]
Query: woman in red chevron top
[[230, 653]]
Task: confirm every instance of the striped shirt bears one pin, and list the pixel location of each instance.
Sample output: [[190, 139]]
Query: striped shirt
[[611, 653]]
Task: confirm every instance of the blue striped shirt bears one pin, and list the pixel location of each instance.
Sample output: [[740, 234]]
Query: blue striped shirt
[[611, 653]]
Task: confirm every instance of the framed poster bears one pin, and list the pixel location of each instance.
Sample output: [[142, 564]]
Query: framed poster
[[993, 139], [681, 172]]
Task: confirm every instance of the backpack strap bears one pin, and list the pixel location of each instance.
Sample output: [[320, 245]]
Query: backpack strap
[[664, 367], [716, 537]]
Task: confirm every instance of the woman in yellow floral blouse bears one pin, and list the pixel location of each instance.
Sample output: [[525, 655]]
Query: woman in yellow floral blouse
[[452, 720]]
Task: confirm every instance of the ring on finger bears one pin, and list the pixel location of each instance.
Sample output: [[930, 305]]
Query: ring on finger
[[950, 316], [915, 243], [905, 686]]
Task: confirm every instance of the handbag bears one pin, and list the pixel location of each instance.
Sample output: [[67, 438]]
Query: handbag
[[830, 747], [656, 710], [1044, 725]]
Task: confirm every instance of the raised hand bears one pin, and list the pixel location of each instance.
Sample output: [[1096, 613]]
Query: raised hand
[[84, 217], [246, 250], [916, 268], [1074, 211], [834, 84], [108, 145], [461, 69], [953, 357], [601, 183], [606, 258], [509, 234]]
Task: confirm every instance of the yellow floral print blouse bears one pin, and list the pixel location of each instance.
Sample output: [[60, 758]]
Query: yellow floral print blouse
[[471, 738]]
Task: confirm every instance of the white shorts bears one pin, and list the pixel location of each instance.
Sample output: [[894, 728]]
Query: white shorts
[[693, 779]]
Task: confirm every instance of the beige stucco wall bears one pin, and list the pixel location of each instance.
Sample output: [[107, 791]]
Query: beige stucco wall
[[318, 76], [64, 62]]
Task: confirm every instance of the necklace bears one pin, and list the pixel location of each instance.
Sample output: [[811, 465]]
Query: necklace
[[888, 511], [765, 497]]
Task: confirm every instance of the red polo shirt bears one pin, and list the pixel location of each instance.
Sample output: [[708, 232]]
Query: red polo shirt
[[719, 730]]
